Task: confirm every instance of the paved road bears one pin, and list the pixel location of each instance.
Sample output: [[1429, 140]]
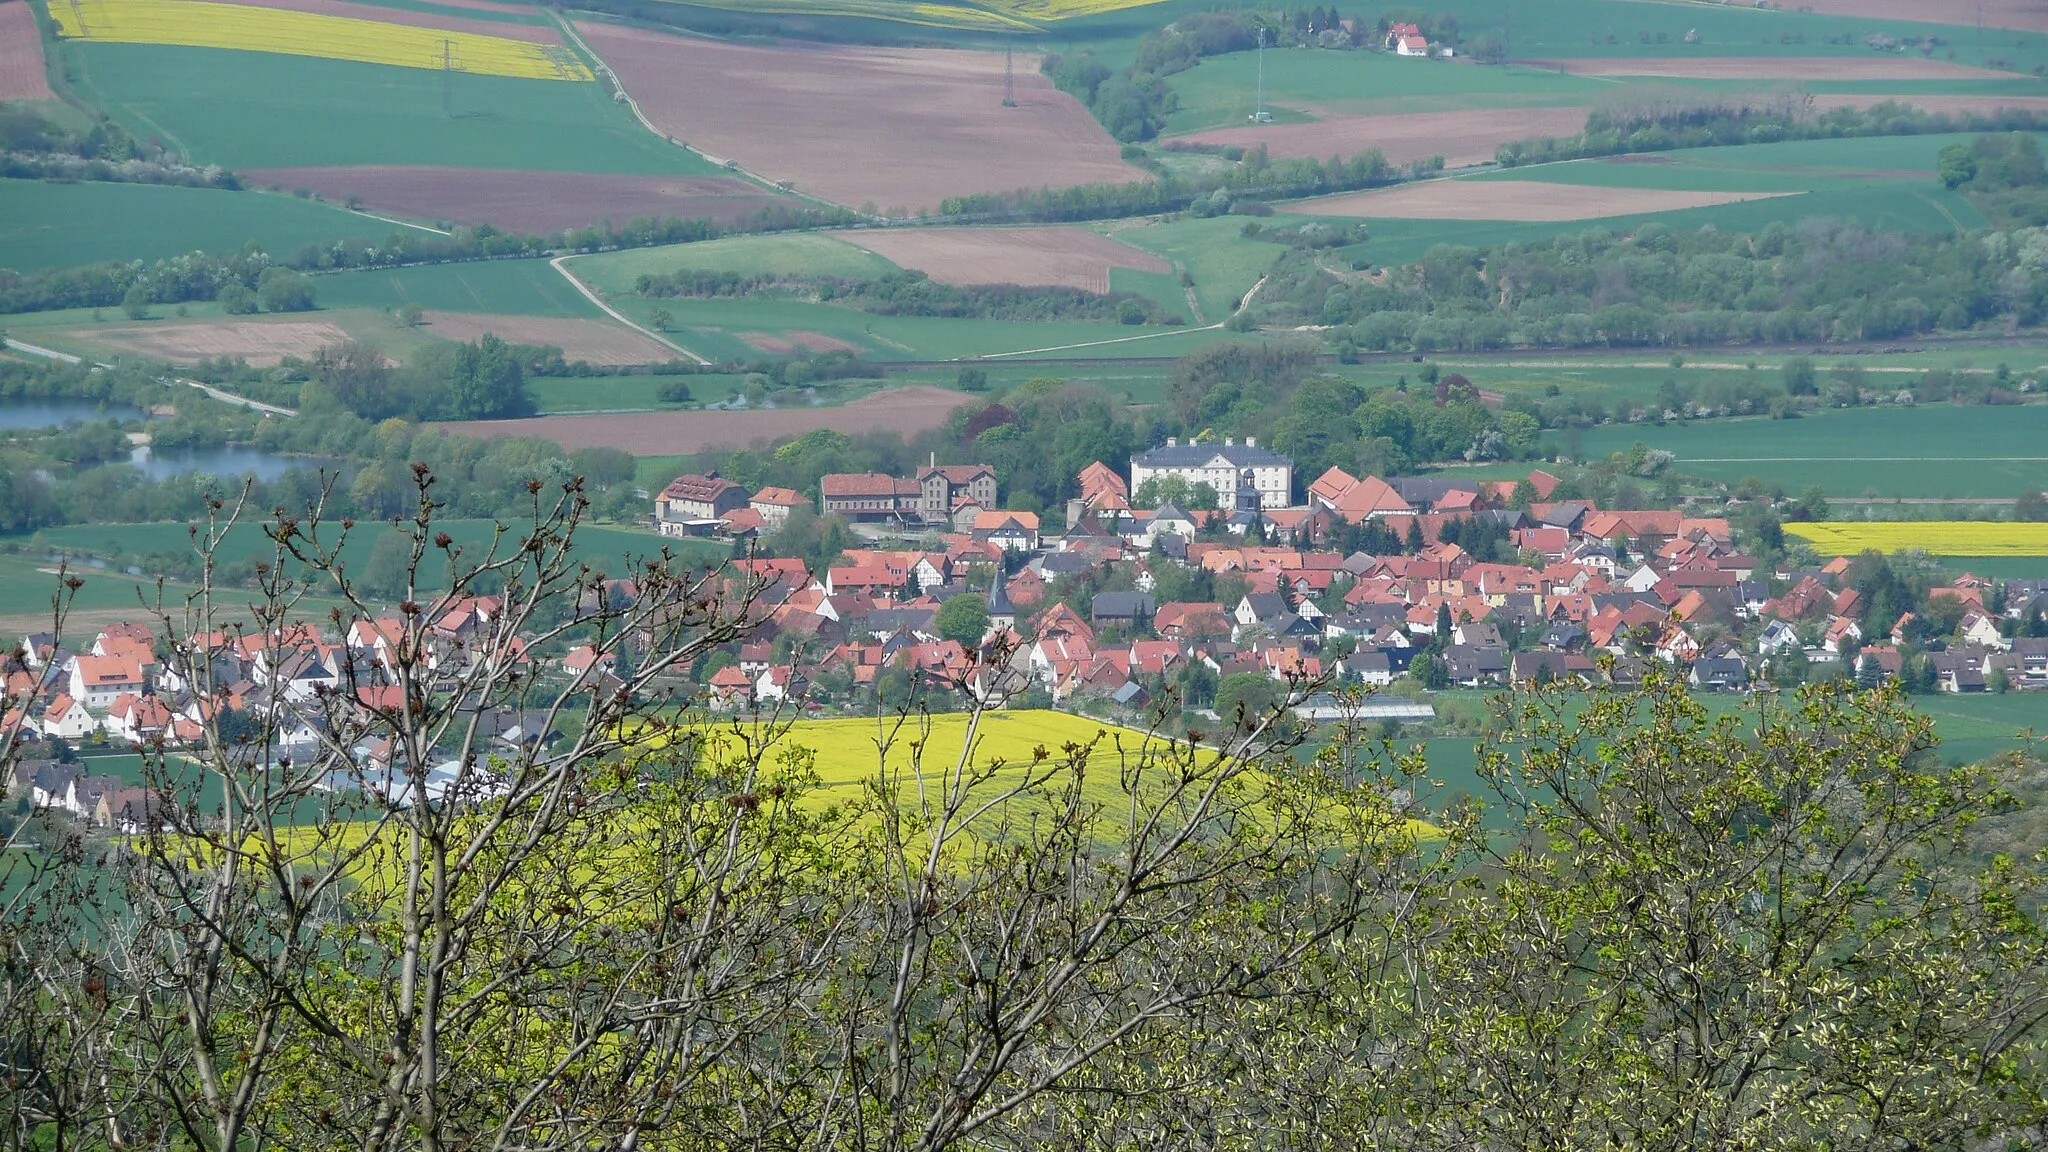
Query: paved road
[[166, 381]]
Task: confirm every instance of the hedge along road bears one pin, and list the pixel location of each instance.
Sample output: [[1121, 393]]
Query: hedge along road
[[558, 265], [166, 381]]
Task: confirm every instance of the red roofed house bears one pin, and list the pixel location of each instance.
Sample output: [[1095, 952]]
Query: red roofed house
[[869, 495], [1357, 500], [1101, 487], [695, 498], [775, 504], [97, 681], [138, 719], [66, 719]]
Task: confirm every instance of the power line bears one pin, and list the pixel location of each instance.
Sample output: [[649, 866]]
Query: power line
[[1009, 78], [448, 78]]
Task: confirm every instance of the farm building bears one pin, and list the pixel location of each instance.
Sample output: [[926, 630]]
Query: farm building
[[690, 499], [931, 497], [1406, 40]]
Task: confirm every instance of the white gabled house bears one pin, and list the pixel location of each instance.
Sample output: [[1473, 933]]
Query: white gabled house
[[66, 719]]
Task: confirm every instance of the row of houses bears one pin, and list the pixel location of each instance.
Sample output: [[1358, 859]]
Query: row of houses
[[1592, 593]]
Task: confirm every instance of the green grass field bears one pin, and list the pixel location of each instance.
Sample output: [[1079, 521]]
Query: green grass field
[[512, 287], [719, 329], [257, 110], [1223, 263], [624, 393], [47, 225], [609, 548], [1937, 450], [1221, 91]]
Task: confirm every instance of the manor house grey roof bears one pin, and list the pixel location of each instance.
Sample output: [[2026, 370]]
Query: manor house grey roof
[[1198, 455]]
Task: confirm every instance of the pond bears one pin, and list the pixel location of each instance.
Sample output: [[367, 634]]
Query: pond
[[17, 412], [232, 460]]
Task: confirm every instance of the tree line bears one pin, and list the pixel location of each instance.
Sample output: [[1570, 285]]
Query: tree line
[[912, 293], [1666, 125], [1821, 279]]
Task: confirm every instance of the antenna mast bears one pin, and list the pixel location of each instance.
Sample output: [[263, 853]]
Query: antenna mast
[[1009, 77], [1259, 115]]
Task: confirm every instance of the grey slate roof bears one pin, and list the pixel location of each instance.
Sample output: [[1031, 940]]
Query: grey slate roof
[[1198, 455]]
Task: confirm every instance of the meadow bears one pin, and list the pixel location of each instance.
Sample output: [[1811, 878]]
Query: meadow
[[609, 548], [1223, 263], [50, 225], [1220, 91], [261, 110], [511, 287], [1939, 537], [200, 24], [1935, 450], [553, 394], [746, 327]]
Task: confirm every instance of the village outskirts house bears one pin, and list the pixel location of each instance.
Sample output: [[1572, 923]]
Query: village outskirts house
[[776, 504], [692, 504]]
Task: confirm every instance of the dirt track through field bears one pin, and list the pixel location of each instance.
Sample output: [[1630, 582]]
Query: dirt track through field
[[1461, 138], [21, 54], [2030, 15], [260, 342], [1520, 200], [899, 128], [1872, 67], [531, 33], [531, 202], [907, 410], [593, 341], [1068, 257]]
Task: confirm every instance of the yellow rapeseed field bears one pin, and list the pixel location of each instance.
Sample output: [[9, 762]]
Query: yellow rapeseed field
[[918, 12], [198, 24], [1064, 9], [1938, 537]]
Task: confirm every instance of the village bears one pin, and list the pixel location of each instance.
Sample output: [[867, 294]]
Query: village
[[1126, 612], [1476, 585]]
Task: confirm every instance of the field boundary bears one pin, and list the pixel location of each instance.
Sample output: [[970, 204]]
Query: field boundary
[[1242, 304], [559, 264]]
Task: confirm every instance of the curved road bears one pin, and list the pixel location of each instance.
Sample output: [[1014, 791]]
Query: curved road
[[166, 381]]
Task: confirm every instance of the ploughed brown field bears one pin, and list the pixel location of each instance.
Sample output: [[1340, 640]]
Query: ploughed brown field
[[261, 342], [1524, 200], [906, 410], [593, 341], [1872, 67], [2031, 15], [21, 54], [899, 128], [533, 33], [1069, 257], [531, 202], [1468, 136], [792, 341]]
